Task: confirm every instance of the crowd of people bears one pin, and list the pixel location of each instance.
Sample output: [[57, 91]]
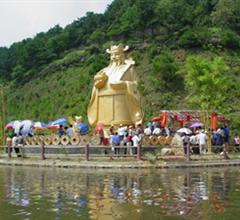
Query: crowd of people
[[196, 140], [220, 139], [222, 136], [132, 136]]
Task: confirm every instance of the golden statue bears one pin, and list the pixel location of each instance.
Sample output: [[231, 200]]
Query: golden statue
[[115, 99]]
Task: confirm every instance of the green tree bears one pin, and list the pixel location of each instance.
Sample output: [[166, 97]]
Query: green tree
[[130, 20], [207, 82], [97, 36], [58, 44], [164, 74], [227, 14], [5, 64]]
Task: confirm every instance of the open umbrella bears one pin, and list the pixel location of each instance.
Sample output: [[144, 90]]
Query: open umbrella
[[26, 126], [196, 124], [16, 126], [51, 126], [9, 125], [39, 125], [83, 128], [54, 125], [60, 121], [184, 130], [27, 123]]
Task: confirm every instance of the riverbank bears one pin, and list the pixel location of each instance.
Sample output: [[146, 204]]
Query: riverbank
[[163, 163]]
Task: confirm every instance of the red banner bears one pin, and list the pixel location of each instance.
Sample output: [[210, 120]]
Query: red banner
[[214, 121], [181, 123], [164, 119]]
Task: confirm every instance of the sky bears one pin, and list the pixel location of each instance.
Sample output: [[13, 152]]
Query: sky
[[20, 19]]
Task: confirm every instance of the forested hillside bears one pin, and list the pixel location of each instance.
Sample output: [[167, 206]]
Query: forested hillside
[[186, 53]]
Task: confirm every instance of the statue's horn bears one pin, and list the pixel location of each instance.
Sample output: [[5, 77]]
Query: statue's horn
[[126, 48], [108, 51]]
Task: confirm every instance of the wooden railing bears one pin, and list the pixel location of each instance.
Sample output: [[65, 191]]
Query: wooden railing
[[113, 151]]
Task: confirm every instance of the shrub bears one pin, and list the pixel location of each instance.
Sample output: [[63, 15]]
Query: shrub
[[223, 38], [194, 38], [152, 158], [96, 63]]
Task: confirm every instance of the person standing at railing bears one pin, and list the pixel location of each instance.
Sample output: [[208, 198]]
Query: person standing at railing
[[226, 134], [9, 138], [202, 141], [15, 143], [147, 131], [70, 131], [186, 142], [60, 131], [157, 131], [121, 131], [101, 136], [116, 142], [136, 141]]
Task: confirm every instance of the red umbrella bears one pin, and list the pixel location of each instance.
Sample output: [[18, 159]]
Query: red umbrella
[[99, 127], [53, 127], [9, 125]]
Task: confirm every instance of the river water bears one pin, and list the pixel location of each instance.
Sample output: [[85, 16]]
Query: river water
[[58, 193]]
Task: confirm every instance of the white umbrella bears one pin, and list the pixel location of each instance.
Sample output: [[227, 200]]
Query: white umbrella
[[26, 123], [16, 126], [39, 125], [26, 126], [184, 130]]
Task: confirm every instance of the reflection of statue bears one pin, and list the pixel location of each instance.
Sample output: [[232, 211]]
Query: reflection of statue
[[115, 99]]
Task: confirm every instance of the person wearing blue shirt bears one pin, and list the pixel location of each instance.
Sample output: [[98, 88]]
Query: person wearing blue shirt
[[226, 133], [116, 142], [60, 131]]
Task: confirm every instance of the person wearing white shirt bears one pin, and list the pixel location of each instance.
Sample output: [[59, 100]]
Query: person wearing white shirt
[[121, 131], [136, 140], [70, 131], [193, 140], [157, 131], [202, 141], [14, 141], [167, 131], [147, 131]]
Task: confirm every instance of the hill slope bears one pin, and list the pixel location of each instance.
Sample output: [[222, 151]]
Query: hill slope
[[51, 75]]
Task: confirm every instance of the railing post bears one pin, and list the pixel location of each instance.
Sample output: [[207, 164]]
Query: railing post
[[9, 148], [87, 152], [139, 152], [225, 155], [188, 153], [43, 150]]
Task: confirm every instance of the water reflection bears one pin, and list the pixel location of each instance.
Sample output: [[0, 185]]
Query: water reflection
[[36, 193]]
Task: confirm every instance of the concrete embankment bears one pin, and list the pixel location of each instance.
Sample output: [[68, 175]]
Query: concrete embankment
[[116, 164]]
